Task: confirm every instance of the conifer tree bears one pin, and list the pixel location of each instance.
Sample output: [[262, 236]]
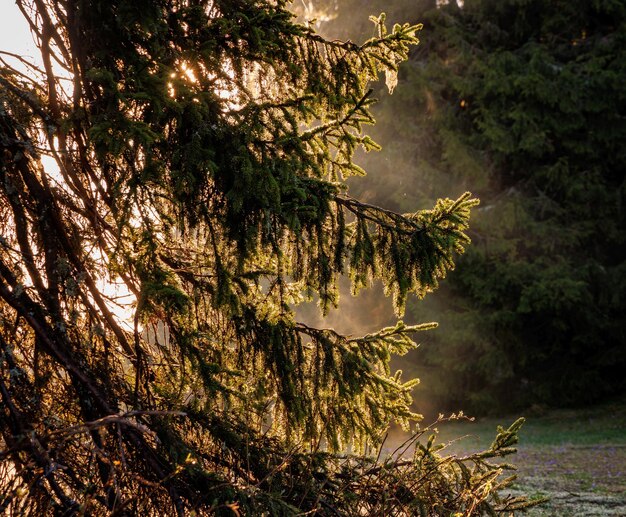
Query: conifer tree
[[190, 156], [521, 101]]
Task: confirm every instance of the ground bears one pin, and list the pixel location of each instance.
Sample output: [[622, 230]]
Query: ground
[[578, 479], [576, 458]]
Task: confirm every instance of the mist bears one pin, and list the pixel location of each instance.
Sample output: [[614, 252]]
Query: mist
[[400, 177]]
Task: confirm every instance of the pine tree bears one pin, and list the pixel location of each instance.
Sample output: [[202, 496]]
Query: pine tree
[[533, 103], [521, 101], [200, 153]]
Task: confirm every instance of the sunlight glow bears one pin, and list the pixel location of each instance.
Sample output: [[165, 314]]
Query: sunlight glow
[[118, 298], [16, 41], [189, 73]]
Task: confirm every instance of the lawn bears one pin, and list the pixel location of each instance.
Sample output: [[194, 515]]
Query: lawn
[[577, 458]]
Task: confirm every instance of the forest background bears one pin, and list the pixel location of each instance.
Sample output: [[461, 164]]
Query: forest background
[[523, 103]]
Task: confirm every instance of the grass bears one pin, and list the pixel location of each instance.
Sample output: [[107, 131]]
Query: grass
[[601, 425], [577, 458]]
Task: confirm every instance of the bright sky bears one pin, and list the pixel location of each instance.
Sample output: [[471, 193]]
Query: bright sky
[[14, 32], [15, 37]]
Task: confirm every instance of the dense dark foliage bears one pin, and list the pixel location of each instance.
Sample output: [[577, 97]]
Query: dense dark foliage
[[171, 186], [522, 100]]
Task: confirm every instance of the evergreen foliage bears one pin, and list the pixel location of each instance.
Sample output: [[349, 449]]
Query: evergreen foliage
[[522, 100], [202, 149]]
